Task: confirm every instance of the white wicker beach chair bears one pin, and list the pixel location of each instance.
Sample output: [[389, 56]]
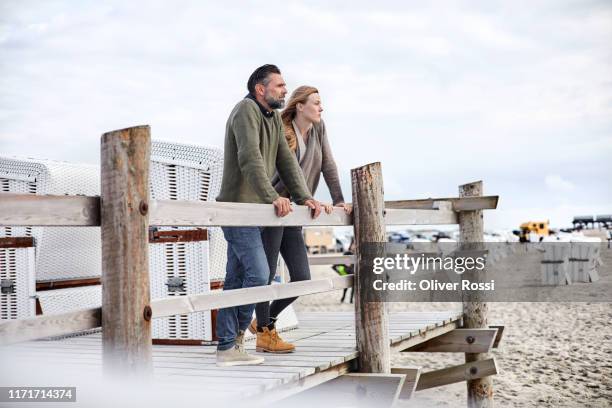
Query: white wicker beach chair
[[185, 172], [60, 253], [79, 247]]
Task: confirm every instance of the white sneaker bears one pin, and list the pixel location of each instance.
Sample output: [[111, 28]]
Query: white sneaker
[[235, 356]]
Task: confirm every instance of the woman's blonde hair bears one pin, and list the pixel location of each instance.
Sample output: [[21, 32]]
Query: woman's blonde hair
[[300, 95]]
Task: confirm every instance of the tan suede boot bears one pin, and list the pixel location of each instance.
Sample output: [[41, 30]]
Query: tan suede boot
[[270, 342], [253, 326]]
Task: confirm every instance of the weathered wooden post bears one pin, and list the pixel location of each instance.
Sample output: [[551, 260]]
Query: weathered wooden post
[[126, 314], [371, 321], [475, 311]]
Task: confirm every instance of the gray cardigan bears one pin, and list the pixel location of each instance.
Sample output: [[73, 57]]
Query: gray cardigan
[[317, 159]]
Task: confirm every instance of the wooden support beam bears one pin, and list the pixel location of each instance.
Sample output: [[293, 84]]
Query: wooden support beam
[[371, 321], [465, 372], [228, 298], [475, 311], [48, 210], [424, 335], [499, 335], [459, 341], [444, 216], [458, 203], [17, 331], [410, 382], [331, 259], [126, 311]]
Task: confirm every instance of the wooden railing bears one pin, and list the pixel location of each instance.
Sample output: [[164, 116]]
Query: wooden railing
[[125, 212], [83, 211]]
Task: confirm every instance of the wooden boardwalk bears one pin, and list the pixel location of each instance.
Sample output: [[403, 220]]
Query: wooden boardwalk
[[325, 349], [326, 342]]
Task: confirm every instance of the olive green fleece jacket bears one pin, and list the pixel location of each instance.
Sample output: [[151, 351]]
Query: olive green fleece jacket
[[255, 148]]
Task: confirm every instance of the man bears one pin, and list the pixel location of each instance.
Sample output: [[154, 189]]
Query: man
[[255, 146]]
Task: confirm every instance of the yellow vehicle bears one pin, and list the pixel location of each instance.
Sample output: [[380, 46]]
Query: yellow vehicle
[[539, 228]]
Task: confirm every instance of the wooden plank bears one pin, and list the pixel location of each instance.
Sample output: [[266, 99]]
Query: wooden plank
[[327, 322], [323, 343], [16, 242], [459, 341], [214, 378], [15, 331], [307, 383], [68, 283], [206, 376], [372, 324], [332, 259], [126, 313], [471, 228], [214, 393], [291, 357], [199, 350], [216, 214], [221, 299], [352, 390], [209, 358], [226, 376], [412, 378], [464, 372], [92, 374], [392, 315], [192, 213], [420, 217], [424, 336], [319, 363], [202, 361], [499, 335], [458, 203], [164, 236], [48, 210]]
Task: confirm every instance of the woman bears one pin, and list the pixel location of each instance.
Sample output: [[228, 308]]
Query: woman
[[307, 137]]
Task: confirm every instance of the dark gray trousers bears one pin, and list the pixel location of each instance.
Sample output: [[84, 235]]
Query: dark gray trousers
[[289, 242]]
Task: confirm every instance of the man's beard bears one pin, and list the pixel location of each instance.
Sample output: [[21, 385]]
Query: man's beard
[[275, 103]]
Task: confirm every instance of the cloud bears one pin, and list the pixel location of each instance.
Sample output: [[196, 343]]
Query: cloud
[[440, 94], [556, 183]]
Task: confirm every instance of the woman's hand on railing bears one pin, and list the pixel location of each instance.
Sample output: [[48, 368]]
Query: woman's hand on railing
[[315, 206], [282, 206], [348, 208], [328, 208]]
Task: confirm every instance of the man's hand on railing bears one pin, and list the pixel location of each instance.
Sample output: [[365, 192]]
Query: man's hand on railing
[[282, 206], [315, 206]]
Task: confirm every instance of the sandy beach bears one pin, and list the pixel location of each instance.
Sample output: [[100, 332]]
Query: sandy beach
[[552, 354]]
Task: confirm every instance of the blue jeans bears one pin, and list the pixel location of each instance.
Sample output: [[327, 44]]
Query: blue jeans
[[247, 266]]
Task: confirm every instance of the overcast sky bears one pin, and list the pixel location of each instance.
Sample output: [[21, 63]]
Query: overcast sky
[[518, 94]]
